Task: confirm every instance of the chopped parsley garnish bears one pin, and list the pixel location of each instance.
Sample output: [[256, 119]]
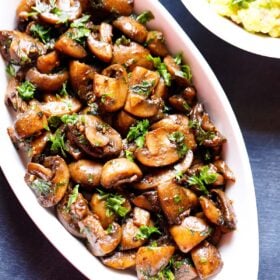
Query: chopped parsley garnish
[[200, 134], [137, 132], [205, 177], [178, 138], [166, 273], [129, 155], [145, 88], [110, 229], [41, 186], [177, 199], [63, 91], [178, 58], [26, 90], [241, 3], [41, 32], [123, 41], [70, 119], [54, 122], [145, 17], [161, 68], [73, 197], [57, 142], [79, 31], [185, 71], [10, 70], [146, 231], [80, 22], [114, 203]]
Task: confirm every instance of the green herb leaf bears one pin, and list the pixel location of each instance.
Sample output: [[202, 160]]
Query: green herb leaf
[[137, 132], [26, 90], [178, 138], [70, 119], [41, 32], [41, 186], [54, 122], [146, 231], [80, 22], [123, 41], [129, 155], [10, 70], [145, 88], [73, 197], [200, 134], [241, 3], [57, 142], [79, 34], [178, 58], [177, 199], [145, 17], [63, 92], [110, 229]]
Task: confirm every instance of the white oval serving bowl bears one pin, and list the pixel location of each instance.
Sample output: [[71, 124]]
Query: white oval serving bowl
[[239, 250], [231, 32]]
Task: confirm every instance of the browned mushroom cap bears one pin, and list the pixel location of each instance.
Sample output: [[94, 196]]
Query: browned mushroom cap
[[184, 270], [95, 137], [70, 47], [123, 122], [100, 241], [111, 87], [155, 43], [38, 144], [226, 208], [174, 201], [151, 260], [46, 63], [148, 201], [30, 123], [177, 122], [179, 103], [81, 77], [121, 7], [19, 47], [207, 260], [46, 81], [70, 211], [70, 10], [87, 173], [24, 7], [131, 55], [49, 190], [142, 84], [106, 32], [102, 50], [189, 233], [120, 260], [131, 28], [224, 169], [119, 171]]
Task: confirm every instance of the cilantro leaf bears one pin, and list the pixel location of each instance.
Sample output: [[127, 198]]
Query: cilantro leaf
[[137, 132], [57, 142], [80, 22], [73, 197], [200, 134], [178, 58], [145, 88], [178, 138], [10, 70], [70, 119], [41, 186], [123, 41], [146, 231], [145, 17], [129, 155], [26, 90], [41, 32]]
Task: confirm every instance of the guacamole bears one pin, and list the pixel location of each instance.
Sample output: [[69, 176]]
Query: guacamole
[[260, 16]]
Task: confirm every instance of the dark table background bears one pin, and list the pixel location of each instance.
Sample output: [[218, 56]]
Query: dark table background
[[252, 84]]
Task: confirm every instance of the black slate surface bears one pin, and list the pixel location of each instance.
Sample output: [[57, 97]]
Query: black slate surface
[[252, 84]]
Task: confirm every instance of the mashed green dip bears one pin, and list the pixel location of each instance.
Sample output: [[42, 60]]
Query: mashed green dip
[[254, 15]]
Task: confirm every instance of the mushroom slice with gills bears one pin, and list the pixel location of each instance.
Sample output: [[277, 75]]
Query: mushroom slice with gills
[[151, 260], [68, 46], [207, 260], [81, 77], [176, 71], [184, 270], [19, 47], [131, 55], [131, 28], [95, 137], [102, 50], [72, 208], [60, 106], [155, 43], [100, 241], [225, 205], [140, 101], [30, 123], [111, 87], [46, 63], [44, 81], [120, 260], [123, 122], [177, 122], [148, 201], [159, 150], [119, 171], [69, 11], [190, 233], [152, 180], [223, 168], [85, 172], [174, 201], [49, 191]]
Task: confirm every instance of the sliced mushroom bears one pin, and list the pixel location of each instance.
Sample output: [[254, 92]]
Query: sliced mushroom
[[46, 63], [120, 260], [224, 169], [184, 270], [155, 43], [100, 242], [190, 233], [131, 28], [207, 260], [30, 123], [49, 190], [24, 7], [111, 87], [179, 103], [46, 81], [131, 56], [19, 47], [69, 215], [106, 32], [123, 122], [81, 78], [85, 172], [174, 201], [121, 7], [70, 47], [148, 201], [38, 144], [151, 260], [119, 171]]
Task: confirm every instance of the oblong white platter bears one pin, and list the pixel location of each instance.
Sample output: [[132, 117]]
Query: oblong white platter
[[239, 250], [231, 32]]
